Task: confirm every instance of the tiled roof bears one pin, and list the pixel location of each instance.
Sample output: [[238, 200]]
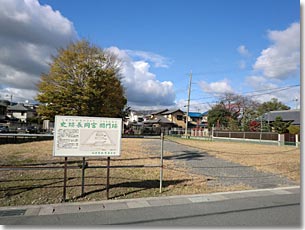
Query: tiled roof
[[159, 112], [3, 104], [172, 111], [18, 107], [286, 115], [158, 119]]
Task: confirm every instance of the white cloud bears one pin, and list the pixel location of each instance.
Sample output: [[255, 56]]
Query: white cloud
[[286, 96], [278, 65], [158, 60], [259, 83], [142, 87], [29, 34], [242, 50], [264, 90], [216, 88], [282, 59], [28, 21], [242, 64], [18, 95]]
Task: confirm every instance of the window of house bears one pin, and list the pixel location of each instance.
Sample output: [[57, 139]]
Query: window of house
[[179, 117]]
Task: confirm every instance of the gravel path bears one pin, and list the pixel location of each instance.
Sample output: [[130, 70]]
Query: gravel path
[[220, 172]]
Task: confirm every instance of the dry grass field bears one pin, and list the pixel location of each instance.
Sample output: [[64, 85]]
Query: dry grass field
[[46, 186]]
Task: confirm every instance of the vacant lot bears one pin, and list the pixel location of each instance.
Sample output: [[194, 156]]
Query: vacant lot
[[46, 186], [281, 160]]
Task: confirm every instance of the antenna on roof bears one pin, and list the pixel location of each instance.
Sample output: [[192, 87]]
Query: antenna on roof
[[296, 102]]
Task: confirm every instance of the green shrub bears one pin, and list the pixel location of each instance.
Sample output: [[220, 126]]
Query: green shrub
[[294, 129]]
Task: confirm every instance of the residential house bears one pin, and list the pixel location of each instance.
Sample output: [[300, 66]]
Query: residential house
[[156, 113], [134, 117], [194, 119], [286, 115], [3, 109], [20, 112], [204, 121], [197, 119], [158, 124], [164, 120], [176, 116], [134, 122]]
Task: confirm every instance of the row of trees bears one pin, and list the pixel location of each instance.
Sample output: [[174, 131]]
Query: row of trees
[[241, 113]]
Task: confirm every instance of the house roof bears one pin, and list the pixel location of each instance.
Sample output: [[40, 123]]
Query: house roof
[[195, 114], [159, 112], [158, 120], [286, 115], [4, 103], [18, 108], [172, 111]]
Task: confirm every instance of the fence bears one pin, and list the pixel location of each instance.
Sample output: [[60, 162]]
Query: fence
[[13, 138], [216, 172], [291, 139], [268, 136], [83, 165], [258, 137], [200, 132], [197, 132], [177, 131], [261, 137]]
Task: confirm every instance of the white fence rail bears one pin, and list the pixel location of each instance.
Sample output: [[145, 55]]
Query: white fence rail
[[256, 137]]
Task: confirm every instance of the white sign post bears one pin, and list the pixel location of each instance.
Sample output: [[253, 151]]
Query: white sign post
[[77, 136]]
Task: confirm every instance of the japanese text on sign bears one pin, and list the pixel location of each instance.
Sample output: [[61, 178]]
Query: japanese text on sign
[[87, 136]]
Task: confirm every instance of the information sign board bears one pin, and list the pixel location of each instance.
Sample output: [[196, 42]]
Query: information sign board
[[87, 136]]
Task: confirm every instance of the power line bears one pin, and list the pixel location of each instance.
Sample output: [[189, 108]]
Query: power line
[[256, 91], [274, 90]]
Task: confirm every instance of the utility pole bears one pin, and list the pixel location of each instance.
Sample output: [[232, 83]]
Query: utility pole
[[188, 104]]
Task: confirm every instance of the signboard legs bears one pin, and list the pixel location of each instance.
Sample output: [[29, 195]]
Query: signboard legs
[[161, 161], [108, 175], [83, 176], [65, 179]]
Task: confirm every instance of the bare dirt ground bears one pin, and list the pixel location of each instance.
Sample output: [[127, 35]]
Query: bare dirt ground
[[46, 186]]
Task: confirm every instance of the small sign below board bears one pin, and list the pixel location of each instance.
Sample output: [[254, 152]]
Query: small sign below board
[[87, 136]]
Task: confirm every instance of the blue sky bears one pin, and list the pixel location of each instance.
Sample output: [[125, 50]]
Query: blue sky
[[237, 46]]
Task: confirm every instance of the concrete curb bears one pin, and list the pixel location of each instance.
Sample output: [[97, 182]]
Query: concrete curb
[[93, 206]]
